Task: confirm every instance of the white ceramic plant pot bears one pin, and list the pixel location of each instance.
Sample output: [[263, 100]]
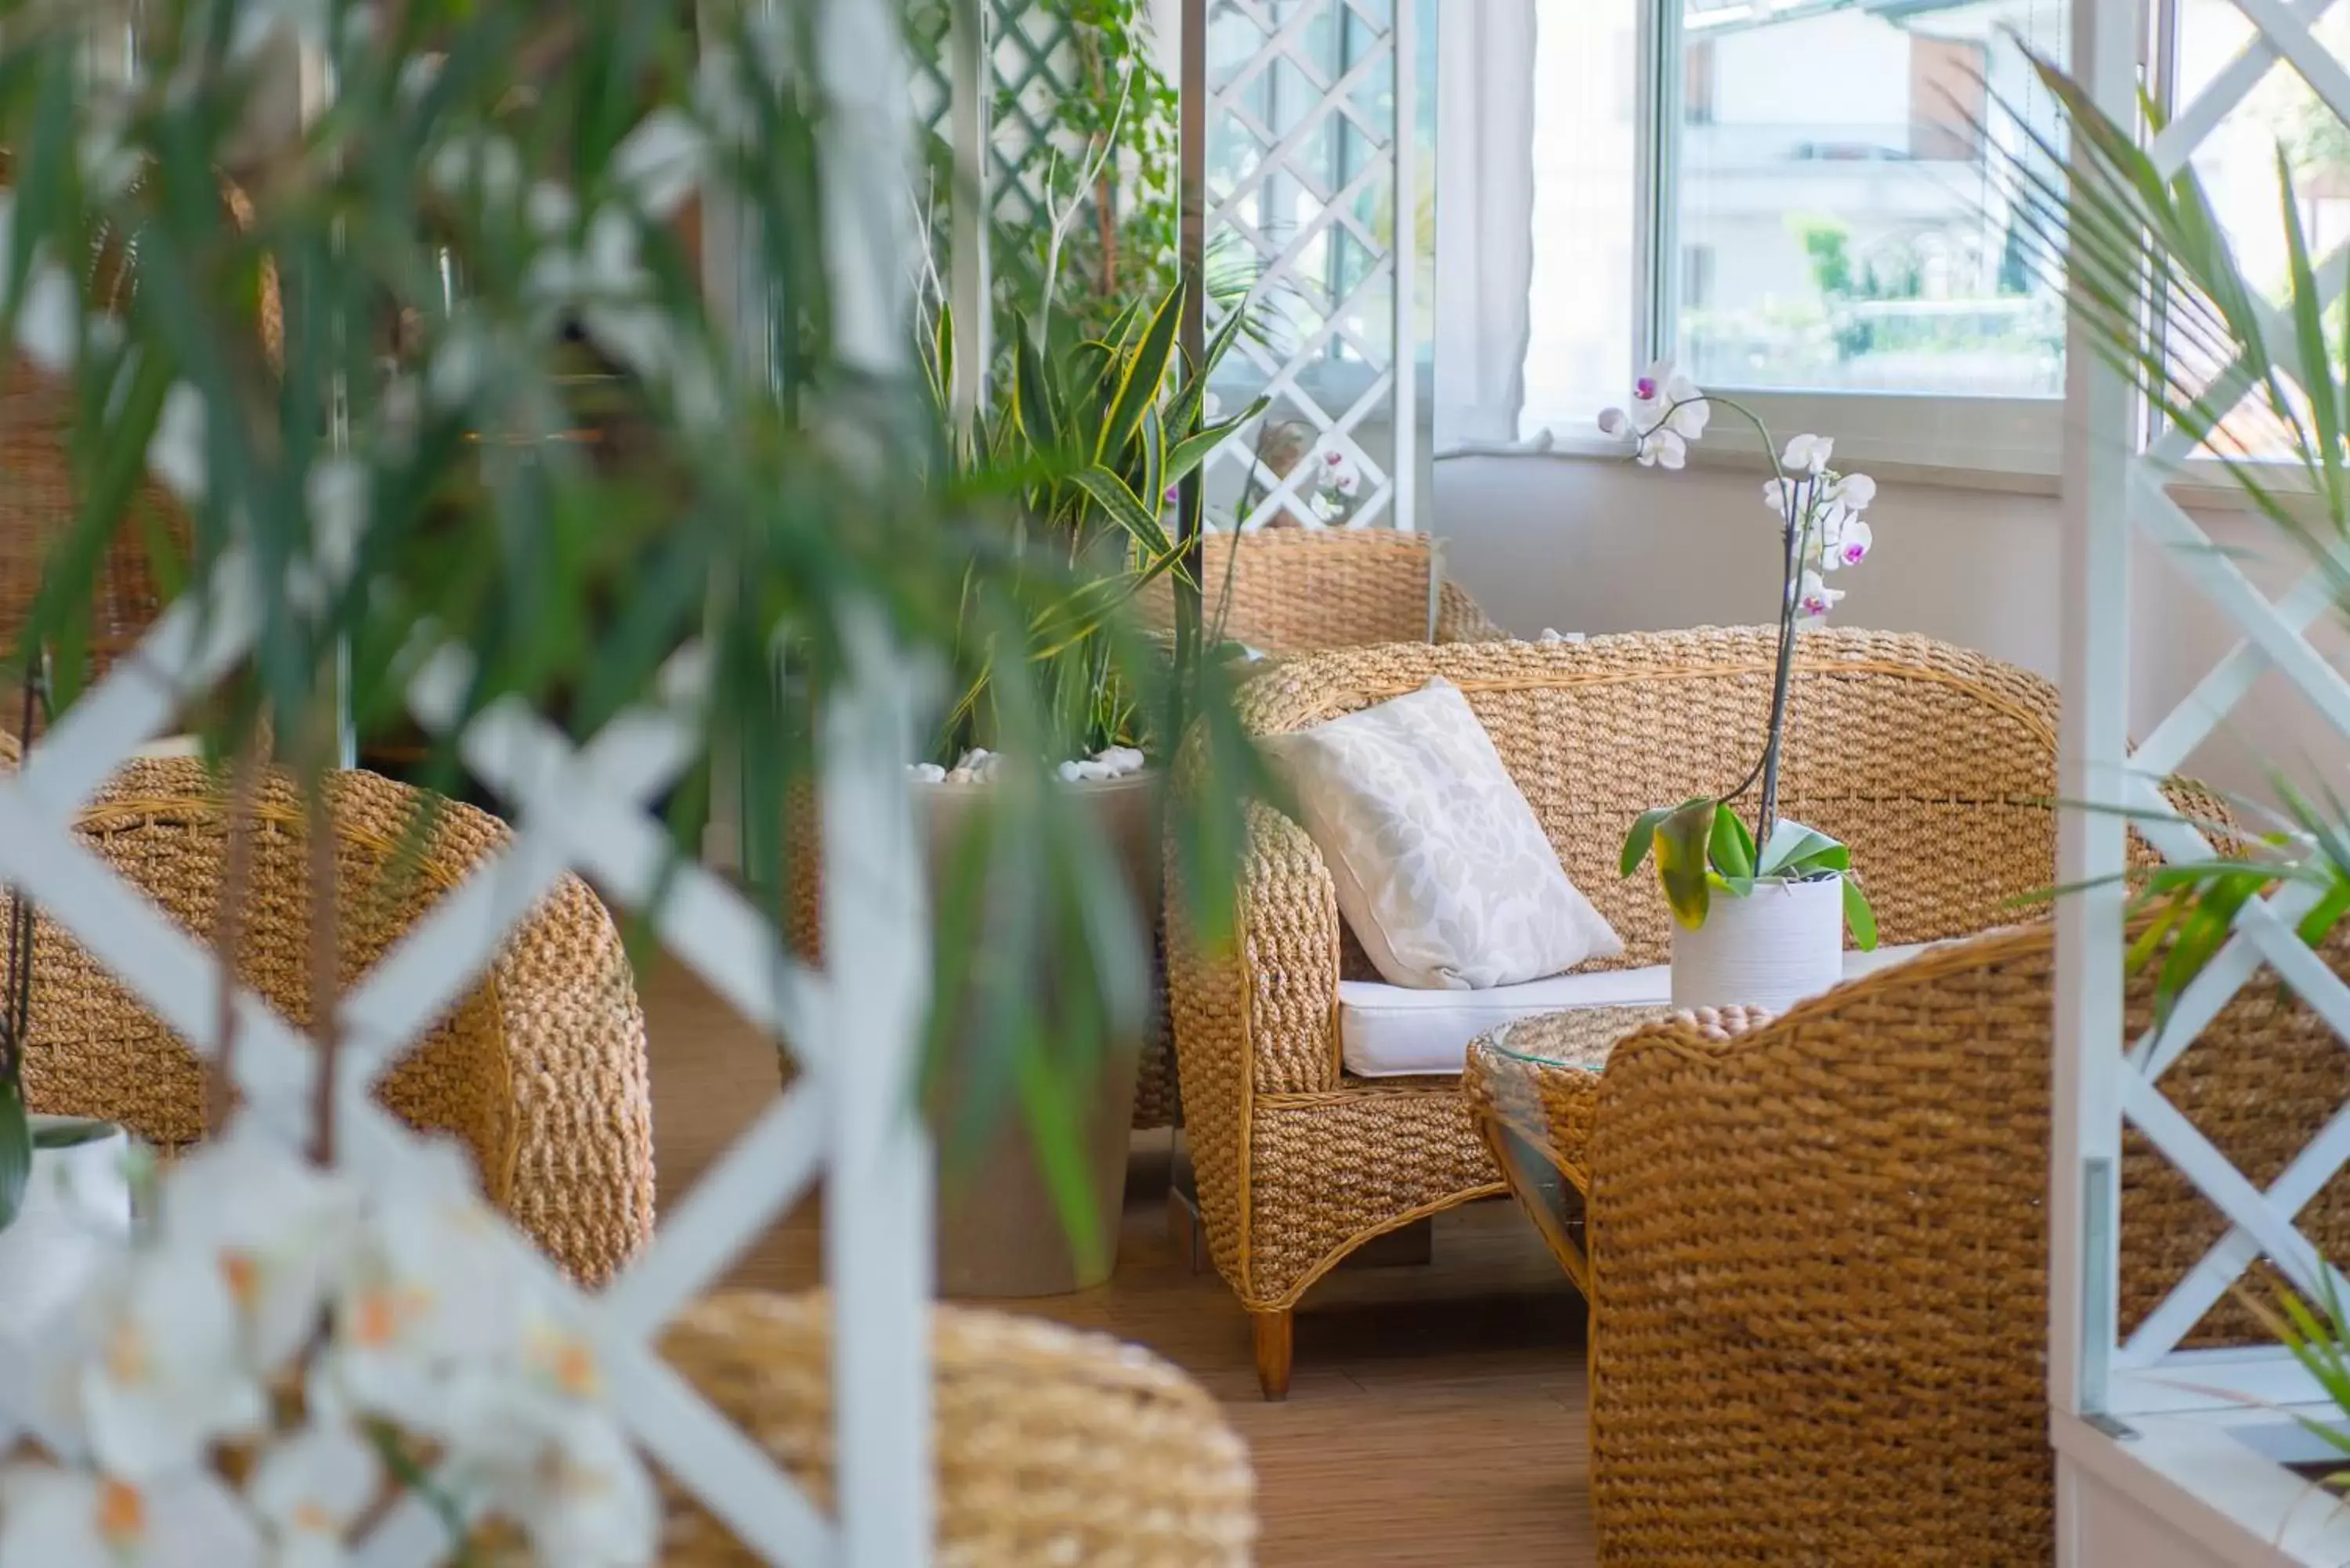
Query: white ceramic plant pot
[[1781, 944], [76, 1203]]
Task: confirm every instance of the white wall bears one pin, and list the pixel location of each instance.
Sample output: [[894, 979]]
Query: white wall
[[1596, 545]]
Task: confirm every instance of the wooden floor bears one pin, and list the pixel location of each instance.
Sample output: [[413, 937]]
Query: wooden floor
[[1437, 1414]]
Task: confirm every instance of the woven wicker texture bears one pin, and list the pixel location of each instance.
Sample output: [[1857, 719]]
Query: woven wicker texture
[[1821, 1254], [41, 499], [1054, 1446], [1302, 590], [1936, 764], [1539, 1078], [540, 1072]]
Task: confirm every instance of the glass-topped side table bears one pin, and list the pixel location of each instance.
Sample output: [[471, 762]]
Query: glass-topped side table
[[1533, 1086]]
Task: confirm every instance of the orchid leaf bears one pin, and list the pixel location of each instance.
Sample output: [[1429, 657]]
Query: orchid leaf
[[1793, 850], [1642, 834], [1681, 839], [1732, 846], [1859, 916]]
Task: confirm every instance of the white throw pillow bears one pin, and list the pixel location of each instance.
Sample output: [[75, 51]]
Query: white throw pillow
[[1443, 871]]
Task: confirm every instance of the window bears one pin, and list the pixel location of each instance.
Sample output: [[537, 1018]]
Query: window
[[1859, 224], [1697, 277]]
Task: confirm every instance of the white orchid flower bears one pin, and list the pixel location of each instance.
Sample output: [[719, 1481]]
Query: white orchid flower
[[1615, 423], [591, 1503], [1855, 490], [167, 1374], [1689, 409], [1655, 387], [1808, 454], [1815, 598], [430, 1289], [310, 1489], [1662, 448], [1847, 545], [1782, 494], [71, 1519], [276, 1226]]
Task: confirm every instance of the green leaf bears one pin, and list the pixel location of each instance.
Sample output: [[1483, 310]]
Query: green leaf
[[1732, 846], [15, 1152], [1859, 916], [1141, 376], [1125, 509], [1794, 849], [1643, 833], [1680, 859], [1032, 398], [2324, 915]]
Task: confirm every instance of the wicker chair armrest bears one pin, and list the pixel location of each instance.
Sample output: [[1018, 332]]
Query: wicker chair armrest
[[575, 1032], [1788, 1228], [1460, 618], [1260, 1015]]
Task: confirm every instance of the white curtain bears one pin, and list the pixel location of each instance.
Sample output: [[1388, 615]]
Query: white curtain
[[1484, 217]]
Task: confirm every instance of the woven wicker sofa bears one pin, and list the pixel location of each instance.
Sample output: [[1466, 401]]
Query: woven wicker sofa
[[540, 1073], [1289, 591], [1936, 764], [1828, 1345]]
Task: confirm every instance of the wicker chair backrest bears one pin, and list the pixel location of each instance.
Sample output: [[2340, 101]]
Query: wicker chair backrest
[[1936, 764]]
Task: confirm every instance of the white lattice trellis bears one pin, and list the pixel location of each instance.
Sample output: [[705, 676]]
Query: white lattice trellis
[[2101, 1385], [586, 808], [1311, 177]]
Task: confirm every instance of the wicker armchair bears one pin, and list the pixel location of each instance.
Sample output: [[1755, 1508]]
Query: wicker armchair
[[540, 1073], [1936, 764], [1307, 590], [1054, 1446], [1820, 1257]]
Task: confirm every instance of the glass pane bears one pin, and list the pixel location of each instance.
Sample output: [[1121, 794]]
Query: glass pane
[[1840, 216], [1580, 319], [2236, 163]]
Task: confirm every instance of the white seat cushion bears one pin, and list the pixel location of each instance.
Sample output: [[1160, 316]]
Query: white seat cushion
[[1392, 1030]]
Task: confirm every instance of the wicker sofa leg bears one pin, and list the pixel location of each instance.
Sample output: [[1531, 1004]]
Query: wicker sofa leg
[[1273, 1347]]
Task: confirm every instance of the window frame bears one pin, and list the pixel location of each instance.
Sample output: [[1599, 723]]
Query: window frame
[[2014, 437]]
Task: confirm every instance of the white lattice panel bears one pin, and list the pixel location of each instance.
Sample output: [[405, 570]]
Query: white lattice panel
[[1311, 184], [2112, 498], [587, 809]]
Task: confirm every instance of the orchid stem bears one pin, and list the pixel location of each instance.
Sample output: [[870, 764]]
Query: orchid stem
[[1797, 502]]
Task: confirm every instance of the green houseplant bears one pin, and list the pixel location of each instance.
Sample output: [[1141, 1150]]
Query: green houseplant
[[1091, 435], [1760, 913]]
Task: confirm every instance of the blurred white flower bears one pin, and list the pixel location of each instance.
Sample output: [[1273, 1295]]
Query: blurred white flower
[[1808, 454], [275, 1226], [167, 1374], [1615, 422], [310, 1490], [589, 1503], [430, 1288], [70, 1519]]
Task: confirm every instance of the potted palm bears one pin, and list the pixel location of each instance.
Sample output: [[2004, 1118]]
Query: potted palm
[[1759, 913], [1092, 437]]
